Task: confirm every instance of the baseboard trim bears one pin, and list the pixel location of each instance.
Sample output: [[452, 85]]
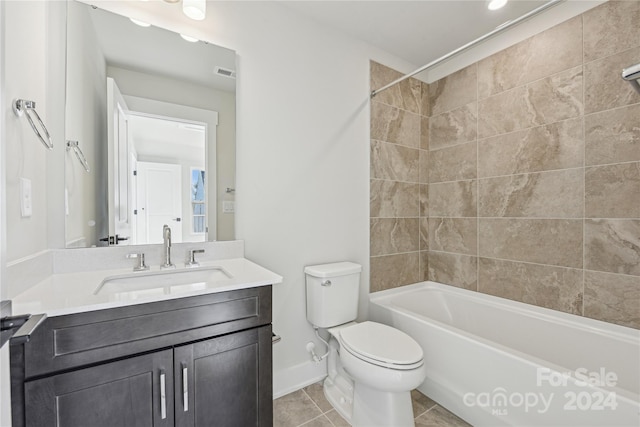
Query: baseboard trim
[[296, 377]]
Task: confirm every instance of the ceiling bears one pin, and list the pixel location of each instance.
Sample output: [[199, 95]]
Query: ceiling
[[158, 137], [416, 31], [158, 51]]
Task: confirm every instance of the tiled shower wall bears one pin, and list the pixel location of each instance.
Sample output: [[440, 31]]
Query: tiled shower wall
[[534, 172], [399, 177]]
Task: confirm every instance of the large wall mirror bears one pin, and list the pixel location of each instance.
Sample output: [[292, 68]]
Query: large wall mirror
[[150, 133]]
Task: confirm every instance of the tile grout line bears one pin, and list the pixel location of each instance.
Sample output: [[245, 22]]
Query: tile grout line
[[478, 182], [584, 168], [313, 401]]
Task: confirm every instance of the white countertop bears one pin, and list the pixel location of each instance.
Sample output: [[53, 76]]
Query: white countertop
[[69, 293]]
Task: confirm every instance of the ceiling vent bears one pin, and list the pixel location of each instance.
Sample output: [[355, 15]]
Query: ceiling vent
[[224, 72]]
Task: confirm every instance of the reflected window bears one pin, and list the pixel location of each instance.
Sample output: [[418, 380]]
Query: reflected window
[[197, 200]]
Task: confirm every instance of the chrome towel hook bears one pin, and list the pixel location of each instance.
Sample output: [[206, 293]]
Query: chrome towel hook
[[19, 108], [73, 145]]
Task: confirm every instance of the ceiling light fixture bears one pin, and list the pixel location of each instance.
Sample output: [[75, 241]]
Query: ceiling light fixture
[[496, 4], [189, 38], [141, 23], [195, 9]]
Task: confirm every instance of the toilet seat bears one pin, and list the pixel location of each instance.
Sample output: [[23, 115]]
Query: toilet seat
[[381, 345]]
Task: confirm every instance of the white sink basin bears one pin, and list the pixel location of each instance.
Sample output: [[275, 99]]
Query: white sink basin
[[164, 282]]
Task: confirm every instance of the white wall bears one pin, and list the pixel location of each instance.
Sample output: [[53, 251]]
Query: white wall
[[25, 79]]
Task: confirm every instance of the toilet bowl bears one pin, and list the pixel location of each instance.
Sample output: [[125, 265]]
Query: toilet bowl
[[371, 367], [383, 365]]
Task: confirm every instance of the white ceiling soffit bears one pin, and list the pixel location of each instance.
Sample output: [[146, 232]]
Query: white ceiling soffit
[[416, 31], [157, 137], [161, 52]]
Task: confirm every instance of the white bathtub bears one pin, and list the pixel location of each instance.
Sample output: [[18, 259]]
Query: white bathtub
[[494, 362]]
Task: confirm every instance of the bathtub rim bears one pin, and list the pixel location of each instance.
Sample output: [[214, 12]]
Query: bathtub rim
[[629, 335], [624, 333]]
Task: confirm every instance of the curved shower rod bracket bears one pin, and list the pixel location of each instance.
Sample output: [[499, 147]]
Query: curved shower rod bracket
[[74, 145], [24, 107]]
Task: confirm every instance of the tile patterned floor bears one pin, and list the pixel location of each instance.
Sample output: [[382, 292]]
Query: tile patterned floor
[[309, 408]]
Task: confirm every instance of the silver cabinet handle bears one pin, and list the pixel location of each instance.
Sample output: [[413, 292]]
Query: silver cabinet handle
[[163, 395], [185, 388]]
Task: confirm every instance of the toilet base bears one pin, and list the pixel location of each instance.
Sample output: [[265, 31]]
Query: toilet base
[[368, 407], [339, 392], [375, 408]]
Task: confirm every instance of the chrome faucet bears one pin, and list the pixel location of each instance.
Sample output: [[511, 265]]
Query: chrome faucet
[[166, 235]]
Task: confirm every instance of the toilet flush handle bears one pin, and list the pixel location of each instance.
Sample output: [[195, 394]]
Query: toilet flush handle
[[325, 283]]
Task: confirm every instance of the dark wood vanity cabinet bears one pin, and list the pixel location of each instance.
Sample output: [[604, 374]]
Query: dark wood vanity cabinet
[[208, 366]]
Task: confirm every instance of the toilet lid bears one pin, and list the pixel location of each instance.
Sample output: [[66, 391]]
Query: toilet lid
[[382, 345]]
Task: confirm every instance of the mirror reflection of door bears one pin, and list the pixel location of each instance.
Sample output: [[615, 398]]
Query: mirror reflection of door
[[119, 150], [159, 202], [152, 160]]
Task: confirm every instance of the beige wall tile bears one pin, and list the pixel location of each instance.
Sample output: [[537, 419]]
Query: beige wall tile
[[556, 49], [542, 241], [459, 235], [554, 194], [391, 199], [426, 104], [406, 95], [613, 191], [453, 199], [454, 269], [611, 28], [613, 136], [393, 235], [424, 234], [424, 266], [454, 127], [424, 133], [612, 298], [549, 100], [424, 167], [603, 87], [394, 162], [453, 163], [390, 124], [455, 90], [557, 288], [424, 200], [612, 245], [391, 271], [556, 146]]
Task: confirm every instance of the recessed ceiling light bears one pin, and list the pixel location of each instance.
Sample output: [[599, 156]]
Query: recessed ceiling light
[[195, 9], [496, 4], [189, 38], [141, 23]]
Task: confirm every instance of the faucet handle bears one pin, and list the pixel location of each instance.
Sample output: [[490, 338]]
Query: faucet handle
[[141, 265], [192, 258]]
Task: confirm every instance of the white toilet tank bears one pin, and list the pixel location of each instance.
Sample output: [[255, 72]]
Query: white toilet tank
[[332, 293]]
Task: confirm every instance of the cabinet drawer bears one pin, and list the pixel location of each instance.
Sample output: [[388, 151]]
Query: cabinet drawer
[[66, 342]]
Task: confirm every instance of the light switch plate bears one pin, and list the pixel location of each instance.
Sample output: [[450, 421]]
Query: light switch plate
[[228, 207], [26, 200]]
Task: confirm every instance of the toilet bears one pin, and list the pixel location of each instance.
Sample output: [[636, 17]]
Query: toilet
[[372, 367]]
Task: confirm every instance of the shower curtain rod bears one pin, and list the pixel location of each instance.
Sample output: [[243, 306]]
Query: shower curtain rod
[[451, 54]]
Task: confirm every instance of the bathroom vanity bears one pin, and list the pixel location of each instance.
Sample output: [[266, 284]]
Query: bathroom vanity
[[194, 357]]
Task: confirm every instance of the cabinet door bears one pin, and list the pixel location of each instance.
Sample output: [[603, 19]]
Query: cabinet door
[[225, 381], [134, 392]]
